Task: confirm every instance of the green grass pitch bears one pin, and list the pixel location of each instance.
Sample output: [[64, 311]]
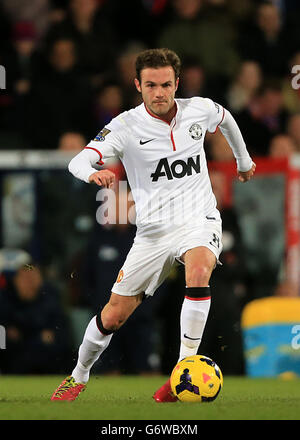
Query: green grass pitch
[[130, 398]]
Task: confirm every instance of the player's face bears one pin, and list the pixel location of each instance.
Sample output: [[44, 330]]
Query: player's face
[[158, 87]]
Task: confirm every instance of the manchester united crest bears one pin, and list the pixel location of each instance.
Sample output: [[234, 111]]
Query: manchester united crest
[[195, 131], [120, 276]]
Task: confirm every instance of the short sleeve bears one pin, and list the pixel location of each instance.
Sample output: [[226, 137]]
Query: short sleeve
[[109, 142], [215, 115]]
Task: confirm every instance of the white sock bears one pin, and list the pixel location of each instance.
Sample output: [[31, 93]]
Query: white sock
[[93, 345], [193, 318]]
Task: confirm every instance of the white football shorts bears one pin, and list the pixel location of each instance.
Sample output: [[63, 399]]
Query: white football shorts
[[149, 262]]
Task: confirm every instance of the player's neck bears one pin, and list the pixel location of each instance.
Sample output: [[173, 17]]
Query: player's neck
[[167, 117], [171, 113]]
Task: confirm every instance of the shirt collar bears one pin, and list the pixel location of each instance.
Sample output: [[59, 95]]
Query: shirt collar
[[149, 114]]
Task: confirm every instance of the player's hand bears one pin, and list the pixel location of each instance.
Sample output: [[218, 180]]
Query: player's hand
[[244, 176], [104, 178]]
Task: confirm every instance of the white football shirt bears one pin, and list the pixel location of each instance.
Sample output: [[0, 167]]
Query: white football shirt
[[165, 163]]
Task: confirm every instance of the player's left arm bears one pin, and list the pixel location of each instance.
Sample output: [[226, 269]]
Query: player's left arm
[[245, 165]]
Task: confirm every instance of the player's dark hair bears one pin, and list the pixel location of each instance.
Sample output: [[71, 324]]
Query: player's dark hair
[[156, 58]]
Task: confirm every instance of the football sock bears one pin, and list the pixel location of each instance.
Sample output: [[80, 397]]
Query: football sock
[[194, 313], [93, 344]]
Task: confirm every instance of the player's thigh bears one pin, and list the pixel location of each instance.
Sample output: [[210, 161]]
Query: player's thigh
[[146, 266], [199, 250]]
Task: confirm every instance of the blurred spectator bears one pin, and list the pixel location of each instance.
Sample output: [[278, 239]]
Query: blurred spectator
[[205, 34], [152, 15], [22, 61], [263, 118], [63, 55], [22, 65], [291, 95], [266, 41], [37, 338], [127, 73], [89, 26], [107, 249], [244, 86], [60, 100], [293, 129], [291, 14], [35, 11], [193, 81], [5, 29], [71, 141], [109, 104], [240, 10], [63, 232], [282, 145]]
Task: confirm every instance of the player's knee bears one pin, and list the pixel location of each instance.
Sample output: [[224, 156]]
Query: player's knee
[[198, 276], [114, 315], [113, 320]]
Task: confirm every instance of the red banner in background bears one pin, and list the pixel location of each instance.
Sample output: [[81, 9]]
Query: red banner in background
[[267, 166], [293, 226]]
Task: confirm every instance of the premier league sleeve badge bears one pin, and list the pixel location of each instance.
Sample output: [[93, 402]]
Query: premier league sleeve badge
[[101, 135]]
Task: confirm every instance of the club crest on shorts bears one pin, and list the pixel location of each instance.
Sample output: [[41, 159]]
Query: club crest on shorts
[[195, 131], [120, 276], [101, 135]]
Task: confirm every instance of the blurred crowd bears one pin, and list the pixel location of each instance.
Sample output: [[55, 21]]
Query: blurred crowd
[[70, 66]]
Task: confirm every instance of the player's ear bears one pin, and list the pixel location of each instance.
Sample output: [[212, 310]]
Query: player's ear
[[137, 85], [176, 84]]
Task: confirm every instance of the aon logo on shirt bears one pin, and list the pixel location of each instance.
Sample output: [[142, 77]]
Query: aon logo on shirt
[[177, 169]]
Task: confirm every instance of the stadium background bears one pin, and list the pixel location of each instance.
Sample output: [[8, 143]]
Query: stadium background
[[69, 70]]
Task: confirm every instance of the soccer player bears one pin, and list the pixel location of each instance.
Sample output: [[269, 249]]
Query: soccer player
[[160, 144]]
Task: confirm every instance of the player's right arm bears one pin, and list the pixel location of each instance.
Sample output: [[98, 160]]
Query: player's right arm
[[82, 167], [106, 145]]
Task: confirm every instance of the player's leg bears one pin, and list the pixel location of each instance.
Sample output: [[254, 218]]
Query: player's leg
[[100, 330], [199, 264], [96, 339]]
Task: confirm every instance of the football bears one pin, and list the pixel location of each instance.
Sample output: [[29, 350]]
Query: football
[[196, 379]]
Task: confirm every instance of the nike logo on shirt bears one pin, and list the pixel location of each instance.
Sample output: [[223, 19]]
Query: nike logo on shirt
[[145, 142]]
